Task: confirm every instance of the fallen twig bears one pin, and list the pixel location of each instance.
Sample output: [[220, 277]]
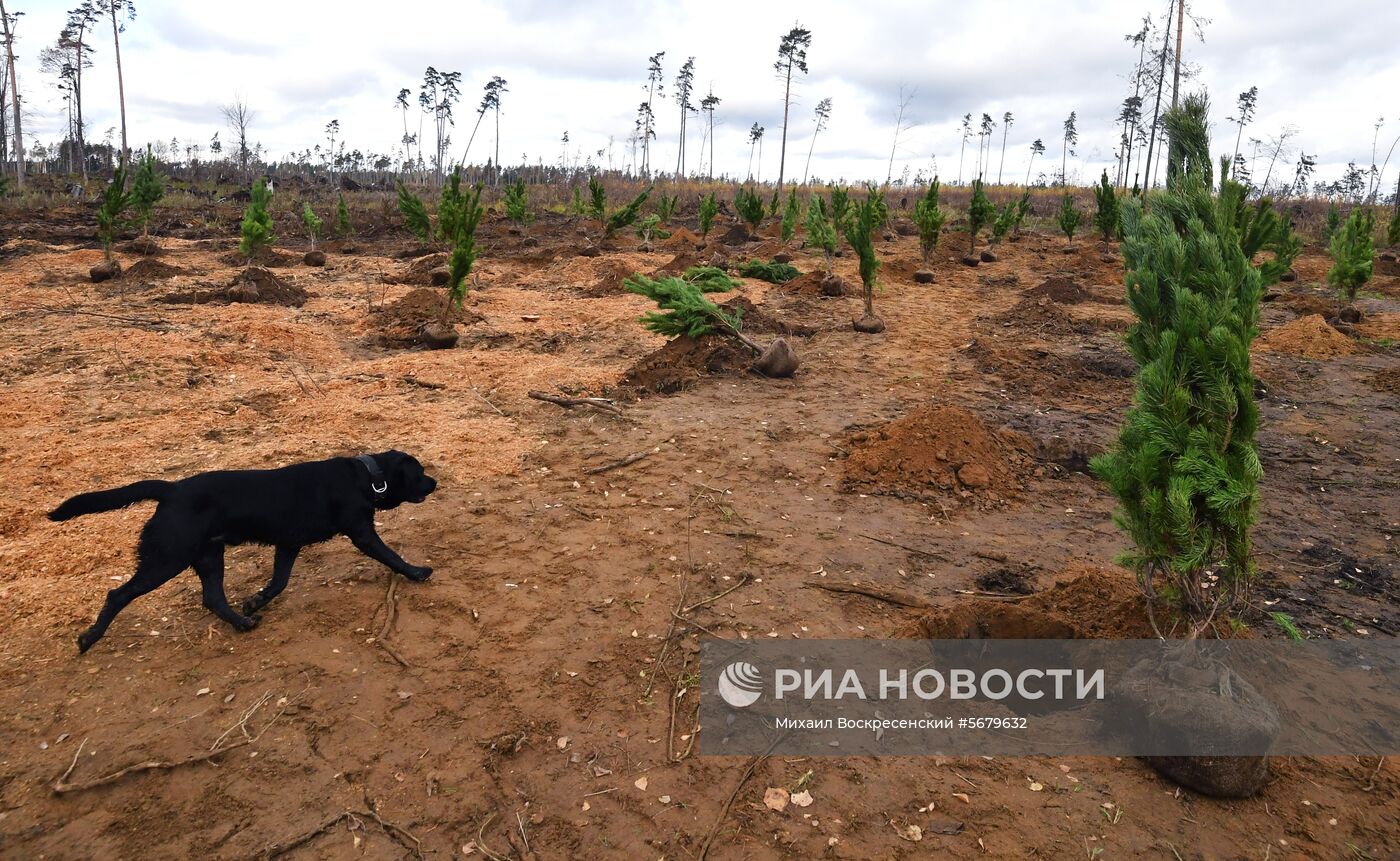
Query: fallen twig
[[391, 607], [920, 551], [61, 786], [606, 405], [743, 581], [871, 592], [618, 464], [724, 811], [397, 833]]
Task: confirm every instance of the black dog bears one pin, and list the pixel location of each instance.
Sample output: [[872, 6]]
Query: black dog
[[288, 508]]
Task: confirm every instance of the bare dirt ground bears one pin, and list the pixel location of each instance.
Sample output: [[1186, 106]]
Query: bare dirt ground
[[542, 702]]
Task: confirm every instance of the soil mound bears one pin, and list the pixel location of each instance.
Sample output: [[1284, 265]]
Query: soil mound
[[1306, 303], [609, 282], [682, 361], [145, 247], [420, 271], [1309, 337], [1060, 289], [680, 238], [266, 257], [1088, 603], [253, 285], [938, 453], [256, 284], [1043, 315], [147, 269], [402, 323], [681, 262]]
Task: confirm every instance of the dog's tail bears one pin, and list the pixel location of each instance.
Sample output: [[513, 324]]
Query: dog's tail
[[110, 500]]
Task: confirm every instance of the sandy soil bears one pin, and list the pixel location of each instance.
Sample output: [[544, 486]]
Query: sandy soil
[[544, 706]]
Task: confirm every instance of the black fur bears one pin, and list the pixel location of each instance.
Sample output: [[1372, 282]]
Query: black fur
[[287, 508]]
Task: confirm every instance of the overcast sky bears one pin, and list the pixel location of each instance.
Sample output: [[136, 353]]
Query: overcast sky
[[1329, 69]]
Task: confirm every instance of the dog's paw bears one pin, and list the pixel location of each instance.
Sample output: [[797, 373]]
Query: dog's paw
[[85, 641], [250, 606], [247, 624], [419, 574]]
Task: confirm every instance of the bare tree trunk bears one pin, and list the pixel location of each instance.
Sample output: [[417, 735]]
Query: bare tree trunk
[[1157, 106], [78, 100], [14, 92], [1180, 25], [497, 180], [121, 85], [1002, 164], [810, 147], [787, 103]]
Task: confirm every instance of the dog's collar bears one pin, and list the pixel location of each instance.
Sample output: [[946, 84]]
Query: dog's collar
[[377, 482]]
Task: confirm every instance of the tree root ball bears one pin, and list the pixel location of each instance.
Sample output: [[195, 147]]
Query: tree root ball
[[989, 256], [439, 277], [438, 336], [969, 260], [869, 324], [589, 251], [923, 276], [782, 257], [779, 360], [833, 285], [105, 271], [314, 258]]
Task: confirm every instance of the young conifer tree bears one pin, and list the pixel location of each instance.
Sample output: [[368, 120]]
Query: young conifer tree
[[415, 216], [597, 200], [1108, 211], [256, 228], [792, 213], [860, 232], [750, 207], [1185, 467], [1069, 217], [929, 218], [820, 232], [459, 214], [147, 188], [980, 212], [343, 227], [1353, 250], [708, 208], [115, 200], [312, 223], [1392, 233]]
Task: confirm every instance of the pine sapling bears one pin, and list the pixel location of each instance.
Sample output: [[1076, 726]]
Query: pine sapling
[[929, 218], [1005, 220], [517, 203], [685, 310], [840, 206], [820, 231], [980, 213], [1069, 217], [750, 208], [115, 200], [774, 203], [257, 223], [1334, 219], [415, 216], [666, 207], [147, 188], [597, 200], [576, 207], [1185, 467], [772, 271], [627, 215], [860, 229], [1108, 214], [1353, 249], [1023, 208], [1392, 233], [311, 222], [649, 228], [460, 230], [708, 208], [792, 212], [343, 228]]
